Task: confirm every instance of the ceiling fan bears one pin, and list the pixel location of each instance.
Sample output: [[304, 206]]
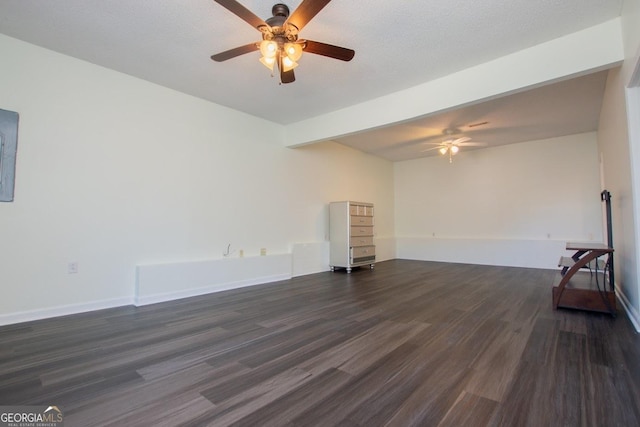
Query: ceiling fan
[[280, 46], [452, 145]]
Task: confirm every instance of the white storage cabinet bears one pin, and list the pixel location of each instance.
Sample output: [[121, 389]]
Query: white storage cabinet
[[351, 235]]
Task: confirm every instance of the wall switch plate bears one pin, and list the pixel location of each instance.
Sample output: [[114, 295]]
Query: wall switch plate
[[263, 251]]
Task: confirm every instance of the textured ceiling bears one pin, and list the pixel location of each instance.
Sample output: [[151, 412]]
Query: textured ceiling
[[397, 44], [559, 109]]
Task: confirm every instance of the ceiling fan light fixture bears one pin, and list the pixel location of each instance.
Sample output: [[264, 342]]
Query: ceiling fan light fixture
[[454, 149], [293, 51], [288, 64], [443, 150], [268, 48], [268, 62]]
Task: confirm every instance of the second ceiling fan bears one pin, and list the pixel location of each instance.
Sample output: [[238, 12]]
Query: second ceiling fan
[[280, 46], [452, 145]]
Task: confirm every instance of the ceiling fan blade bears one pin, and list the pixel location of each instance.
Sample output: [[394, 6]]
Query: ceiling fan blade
[[305, 12], [243, 13], [232, 53], [287, 77], [472, 144], [329, 50], [432, 148], [460, 140]]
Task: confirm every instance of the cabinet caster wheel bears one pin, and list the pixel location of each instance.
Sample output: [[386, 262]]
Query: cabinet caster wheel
[[371, 266], [348, 270]]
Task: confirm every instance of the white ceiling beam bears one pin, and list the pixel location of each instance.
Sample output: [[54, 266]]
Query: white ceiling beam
[[593, 49]]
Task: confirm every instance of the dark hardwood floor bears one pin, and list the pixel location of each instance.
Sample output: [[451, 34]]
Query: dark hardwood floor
[[410, 343]]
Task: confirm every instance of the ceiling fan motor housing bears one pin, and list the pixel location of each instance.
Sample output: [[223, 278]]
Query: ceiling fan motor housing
[[279, 30], [280, 9]]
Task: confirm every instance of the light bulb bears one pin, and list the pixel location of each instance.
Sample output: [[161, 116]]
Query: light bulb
[[288, 64], [293, 50], [268, 62], [443, 150], [268, 48], [454, 149]]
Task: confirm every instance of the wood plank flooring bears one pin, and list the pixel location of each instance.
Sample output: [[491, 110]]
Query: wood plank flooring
[[410, 343]]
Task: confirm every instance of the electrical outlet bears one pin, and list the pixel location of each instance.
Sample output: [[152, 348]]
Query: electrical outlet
[[263, 251], [72, 267]]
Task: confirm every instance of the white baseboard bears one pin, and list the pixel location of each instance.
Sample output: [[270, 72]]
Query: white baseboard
[[218, 287], [633, 314], [169, 281], [500, 252], [31, 315]]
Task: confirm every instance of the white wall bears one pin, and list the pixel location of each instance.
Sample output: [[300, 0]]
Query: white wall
[[618, 142], [511, 205], [114, 172], [613, 144]]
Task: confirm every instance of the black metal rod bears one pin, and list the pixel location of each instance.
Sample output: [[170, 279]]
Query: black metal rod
[[605, 196]]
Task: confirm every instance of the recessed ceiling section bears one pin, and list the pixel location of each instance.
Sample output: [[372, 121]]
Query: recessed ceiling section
[[563, 108]]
